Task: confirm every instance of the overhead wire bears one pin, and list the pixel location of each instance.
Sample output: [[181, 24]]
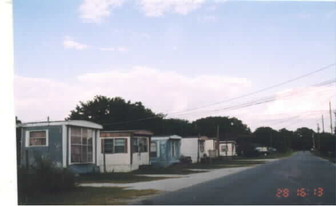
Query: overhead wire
[[261, 90], [234, 107], [261, 100]]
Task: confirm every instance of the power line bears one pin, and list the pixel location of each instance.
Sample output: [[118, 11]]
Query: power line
[[261, 100], [261, 90], [246, 104]]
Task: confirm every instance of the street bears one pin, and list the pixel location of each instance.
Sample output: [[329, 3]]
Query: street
[[301, 179]]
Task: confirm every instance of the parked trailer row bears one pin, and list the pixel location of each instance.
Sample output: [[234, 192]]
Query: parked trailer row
[[84, 147]]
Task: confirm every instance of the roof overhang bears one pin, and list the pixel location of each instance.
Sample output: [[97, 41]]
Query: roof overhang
[[78, 123], [173, 137], [125, 133]]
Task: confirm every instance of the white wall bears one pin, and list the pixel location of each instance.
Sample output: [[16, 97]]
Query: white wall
[[140, 159], [231, 149], [210, 144], [189, 147], [121, 162], [116, 162]]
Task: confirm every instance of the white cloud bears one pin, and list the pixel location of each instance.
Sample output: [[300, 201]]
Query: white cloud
[[292, 108], [161, 91], [156, 8], [94, 11], [298, 100], [169, 92], [68, 43]]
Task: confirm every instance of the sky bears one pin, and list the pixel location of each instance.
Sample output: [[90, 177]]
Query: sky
[[267, 63]]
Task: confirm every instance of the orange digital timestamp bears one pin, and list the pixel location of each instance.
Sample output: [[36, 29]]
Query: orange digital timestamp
[[300, 192], [282, 192]]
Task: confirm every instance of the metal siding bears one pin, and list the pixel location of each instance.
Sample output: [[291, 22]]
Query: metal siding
[[53, 151]]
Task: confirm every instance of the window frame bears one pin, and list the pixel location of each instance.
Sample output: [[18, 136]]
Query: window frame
[[140, 144], [82, 144], [37, 130], [125, 146], [202, 146], [226, 148], [151, 154], [103, 146], [114, 145], [174, 148]]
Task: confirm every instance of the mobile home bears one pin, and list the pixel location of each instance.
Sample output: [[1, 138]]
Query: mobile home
[[227, 148], [69, 144], [193, 147], [165, 150], [210, 146], [123, 150]]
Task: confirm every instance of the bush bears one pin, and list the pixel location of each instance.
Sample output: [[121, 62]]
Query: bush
[[44, 177]]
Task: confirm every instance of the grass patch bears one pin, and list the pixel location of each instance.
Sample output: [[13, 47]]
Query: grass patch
[[115, 177], [86, 196]]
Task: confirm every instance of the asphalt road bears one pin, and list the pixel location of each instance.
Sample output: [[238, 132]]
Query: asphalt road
[[278, 182]]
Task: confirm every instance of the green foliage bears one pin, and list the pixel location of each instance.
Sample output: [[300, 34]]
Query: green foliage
[[178, 127], [303, 139], [326, 144], [285, 140], [228, 127], [44, 178], [116, 113]]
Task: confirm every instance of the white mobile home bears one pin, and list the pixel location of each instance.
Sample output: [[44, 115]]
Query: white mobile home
[[210, 146], [227, 148], [124, 150], [193, 147]]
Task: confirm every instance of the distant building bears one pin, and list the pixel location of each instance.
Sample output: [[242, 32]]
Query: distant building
[[165, 150], [210, 146], [124, 150], [193, 147], [69, 144], [227, 148]]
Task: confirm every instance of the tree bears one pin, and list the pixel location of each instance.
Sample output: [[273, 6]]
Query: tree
[[303, 139], [288, 137], [178, 127], [116, 113], [327, 144], [265, 136], [228, 127]]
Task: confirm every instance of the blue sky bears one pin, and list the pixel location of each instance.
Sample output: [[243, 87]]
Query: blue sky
[[174, 55]]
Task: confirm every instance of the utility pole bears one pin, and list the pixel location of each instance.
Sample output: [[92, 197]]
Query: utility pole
[[198, 148], [335, 123], [313, 141], [318, 136], [322, 124], [218, 140], [331, 126]]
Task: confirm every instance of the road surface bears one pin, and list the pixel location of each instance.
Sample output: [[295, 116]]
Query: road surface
[[301, 179]]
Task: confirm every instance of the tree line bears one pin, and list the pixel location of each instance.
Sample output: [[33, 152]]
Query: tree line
[[118, 114]]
